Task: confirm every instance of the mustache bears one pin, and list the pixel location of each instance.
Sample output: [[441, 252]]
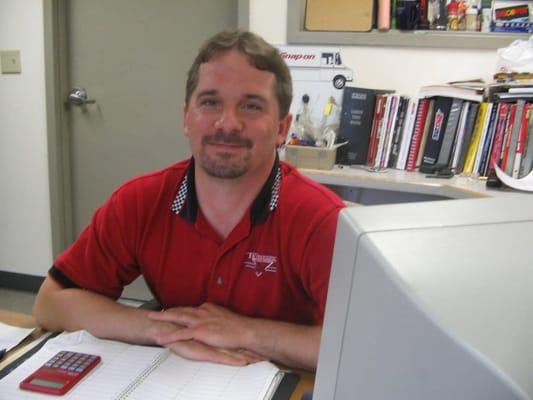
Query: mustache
[[227, 138]]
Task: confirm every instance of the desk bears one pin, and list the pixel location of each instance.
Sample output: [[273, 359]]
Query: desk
[[395, 186], [27, 321]]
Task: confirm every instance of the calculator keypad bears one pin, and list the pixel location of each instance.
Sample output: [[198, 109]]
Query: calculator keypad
[[69, 361]]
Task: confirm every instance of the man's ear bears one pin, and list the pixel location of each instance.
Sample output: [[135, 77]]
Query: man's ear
[[283, 129], [185, 120]]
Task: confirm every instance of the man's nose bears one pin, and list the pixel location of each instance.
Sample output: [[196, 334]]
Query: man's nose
[[229, 120]]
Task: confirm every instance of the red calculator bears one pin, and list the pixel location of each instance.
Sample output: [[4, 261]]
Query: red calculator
[[60, 373]]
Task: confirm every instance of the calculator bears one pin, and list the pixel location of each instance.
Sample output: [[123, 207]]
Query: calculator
[[60, 373]]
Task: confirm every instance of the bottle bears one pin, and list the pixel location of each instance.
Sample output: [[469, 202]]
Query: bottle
[[486, 21], [461, 14], [440, 22], [471, 18], [453, 20], [307, 130]]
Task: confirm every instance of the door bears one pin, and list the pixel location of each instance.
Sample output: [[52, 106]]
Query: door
[[132, 58]]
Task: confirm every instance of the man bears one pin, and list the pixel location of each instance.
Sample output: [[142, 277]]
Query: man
[[234, 244]]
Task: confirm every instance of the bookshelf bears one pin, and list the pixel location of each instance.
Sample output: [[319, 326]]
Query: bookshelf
[[395, 186], [296, 34]]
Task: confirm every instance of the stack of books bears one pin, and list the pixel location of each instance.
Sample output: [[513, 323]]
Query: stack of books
[[454, 128]]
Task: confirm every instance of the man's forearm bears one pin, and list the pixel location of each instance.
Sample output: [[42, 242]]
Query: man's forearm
[[58, 309], [291, 344], [287, 343]]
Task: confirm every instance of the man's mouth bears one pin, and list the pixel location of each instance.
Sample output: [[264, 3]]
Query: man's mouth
[[229, 140]]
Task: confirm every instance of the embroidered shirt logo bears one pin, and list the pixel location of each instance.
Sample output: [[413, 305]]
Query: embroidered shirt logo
[[260, 263]]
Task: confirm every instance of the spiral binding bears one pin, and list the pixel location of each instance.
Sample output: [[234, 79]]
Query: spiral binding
[[133, 385]]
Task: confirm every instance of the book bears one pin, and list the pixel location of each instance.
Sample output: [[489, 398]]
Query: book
[[450, 132], [503, 115], [398, 132], [527, 158], [131, 372], [377, 120], [488, 141], [357, 114], [383, 130], [522, 136], [484, 132], [469, 131], [425, 133], [476, 138], [420, 120], [436, 134], [459, 137], [407, 133], [515, 133], [507, 137], [389, 133], [456, 91]]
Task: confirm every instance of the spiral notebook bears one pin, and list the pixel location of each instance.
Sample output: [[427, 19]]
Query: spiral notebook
[[132, 372]]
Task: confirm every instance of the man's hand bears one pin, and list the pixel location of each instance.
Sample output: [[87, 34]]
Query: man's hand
[[194, 350], [252, 338], [210, 332], [209, 323]]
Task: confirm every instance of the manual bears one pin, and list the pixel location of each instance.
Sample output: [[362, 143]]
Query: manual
[[356, 124], [436, 134], [130, 372]]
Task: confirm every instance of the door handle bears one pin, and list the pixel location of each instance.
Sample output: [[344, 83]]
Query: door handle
[[78, 97]]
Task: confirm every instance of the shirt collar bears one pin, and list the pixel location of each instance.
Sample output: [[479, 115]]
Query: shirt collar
[[185, 203]]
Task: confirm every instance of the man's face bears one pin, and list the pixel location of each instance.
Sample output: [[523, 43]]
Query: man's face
[[232, 119]]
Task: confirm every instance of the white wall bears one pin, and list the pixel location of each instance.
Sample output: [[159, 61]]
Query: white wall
[[401, 68], [25, 232]]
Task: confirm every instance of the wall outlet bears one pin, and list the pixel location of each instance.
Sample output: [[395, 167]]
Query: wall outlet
[[10, 61]]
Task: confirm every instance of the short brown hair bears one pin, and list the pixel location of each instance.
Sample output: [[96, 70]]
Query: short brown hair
[[260, 53]]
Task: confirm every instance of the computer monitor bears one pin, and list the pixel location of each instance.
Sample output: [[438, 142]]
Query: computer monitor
[[430, 301]]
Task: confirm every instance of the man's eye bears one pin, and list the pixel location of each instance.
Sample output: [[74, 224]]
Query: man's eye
[[252, 107], [208, 102]]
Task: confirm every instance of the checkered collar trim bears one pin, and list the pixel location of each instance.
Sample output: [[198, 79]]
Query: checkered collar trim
[[185, 203]]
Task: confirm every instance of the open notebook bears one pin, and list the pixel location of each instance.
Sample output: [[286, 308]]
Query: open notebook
[[130, 372]]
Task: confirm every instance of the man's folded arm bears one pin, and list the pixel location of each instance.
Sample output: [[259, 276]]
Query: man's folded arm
[[288, 343], [58, 308]]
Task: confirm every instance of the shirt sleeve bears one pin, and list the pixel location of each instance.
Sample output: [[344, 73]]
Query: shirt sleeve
[[102, 258]]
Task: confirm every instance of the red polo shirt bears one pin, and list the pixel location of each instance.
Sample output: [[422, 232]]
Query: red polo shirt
[[274, 264]]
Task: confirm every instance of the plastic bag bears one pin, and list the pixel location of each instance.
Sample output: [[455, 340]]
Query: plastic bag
[[517, 57]]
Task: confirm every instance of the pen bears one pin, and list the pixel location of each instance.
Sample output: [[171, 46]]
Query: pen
[[2, 352]]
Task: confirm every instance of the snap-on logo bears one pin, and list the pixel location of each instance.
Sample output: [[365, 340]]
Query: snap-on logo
[[439, 119], [260, 263], [297, 56]]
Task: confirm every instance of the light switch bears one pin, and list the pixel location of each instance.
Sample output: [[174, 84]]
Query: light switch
[[10, 61]]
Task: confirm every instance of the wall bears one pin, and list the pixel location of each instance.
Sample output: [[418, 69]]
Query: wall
[[25, 237], [25, 233], [403, 69]]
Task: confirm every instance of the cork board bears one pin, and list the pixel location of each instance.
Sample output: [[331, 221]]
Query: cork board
[[339, 15]]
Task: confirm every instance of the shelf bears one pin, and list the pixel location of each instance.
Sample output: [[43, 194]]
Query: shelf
[[414, 183], [296, 34]]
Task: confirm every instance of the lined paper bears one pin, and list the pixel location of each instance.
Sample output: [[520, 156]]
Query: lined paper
[[177, 378], [10, 336], [123, 365]]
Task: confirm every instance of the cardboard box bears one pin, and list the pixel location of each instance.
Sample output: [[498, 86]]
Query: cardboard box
[[310, 157]]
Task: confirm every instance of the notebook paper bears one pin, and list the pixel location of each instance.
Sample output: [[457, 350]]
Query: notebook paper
[[10, 336], [129, 372]]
